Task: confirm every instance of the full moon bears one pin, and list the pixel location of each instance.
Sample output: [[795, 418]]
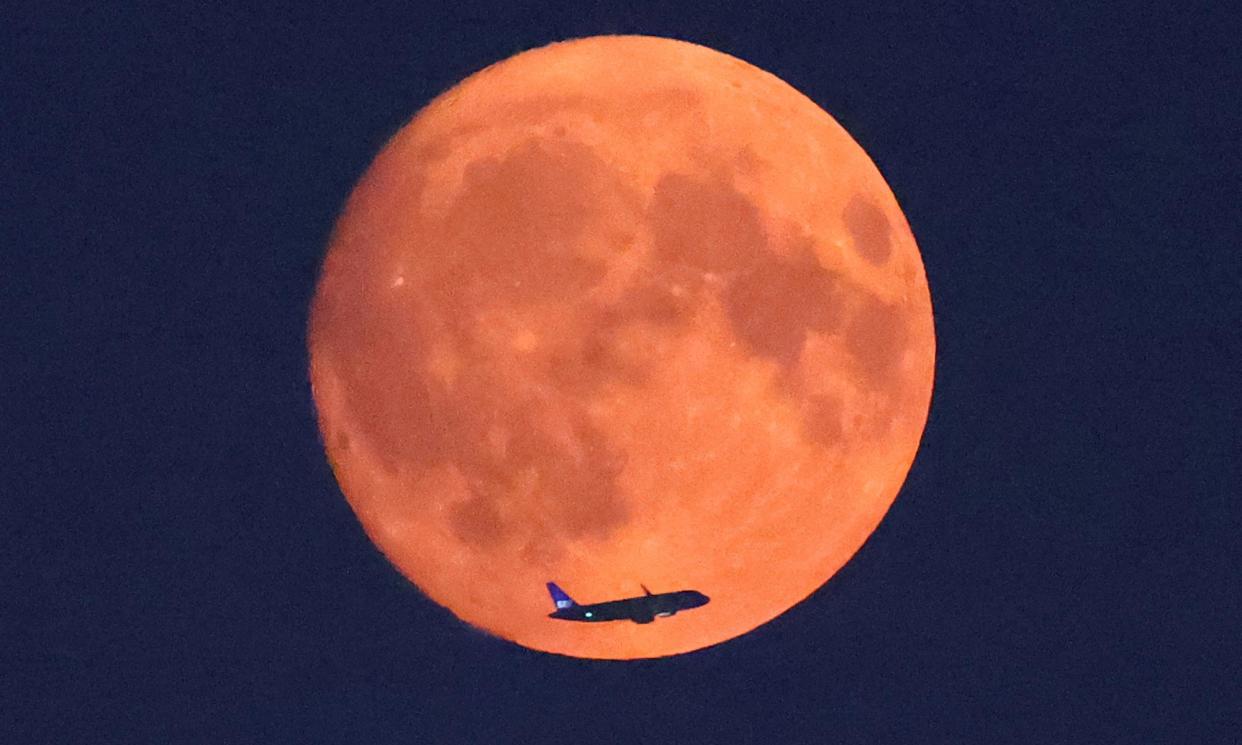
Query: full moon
[[621, 310]]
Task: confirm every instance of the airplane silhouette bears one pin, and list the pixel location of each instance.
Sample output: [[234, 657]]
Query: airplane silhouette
[[642, 609]]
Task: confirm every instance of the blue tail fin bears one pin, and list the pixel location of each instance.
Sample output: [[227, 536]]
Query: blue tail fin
[[559, 597]]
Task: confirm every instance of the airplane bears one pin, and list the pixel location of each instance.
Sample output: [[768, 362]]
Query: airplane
[[642, 609]]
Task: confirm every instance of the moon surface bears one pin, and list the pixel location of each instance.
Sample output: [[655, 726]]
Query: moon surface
[[621, 310]]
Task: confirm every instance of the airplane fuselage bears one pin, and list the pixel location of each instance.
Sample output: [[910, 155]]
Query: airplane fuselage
[[641, 609]]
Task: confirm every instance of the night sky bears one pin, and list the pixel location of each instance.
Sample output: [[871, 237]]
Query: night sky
[[178, 565]]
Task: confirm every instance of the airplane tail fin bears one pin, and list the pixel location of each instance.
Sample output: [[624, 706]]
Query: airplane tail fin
[[645, 589], [559, 597]]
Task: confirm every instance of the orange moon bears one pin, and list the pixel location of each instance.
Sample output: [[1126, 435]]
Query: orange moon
[[621, 310]]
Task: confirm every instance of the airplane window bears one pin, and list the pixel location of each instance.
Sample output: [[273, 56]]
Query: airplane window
[[588, 614]]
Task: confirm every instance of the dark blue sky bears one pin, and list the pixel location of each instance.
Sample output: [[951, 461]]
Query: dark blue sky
[[177, 564]]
